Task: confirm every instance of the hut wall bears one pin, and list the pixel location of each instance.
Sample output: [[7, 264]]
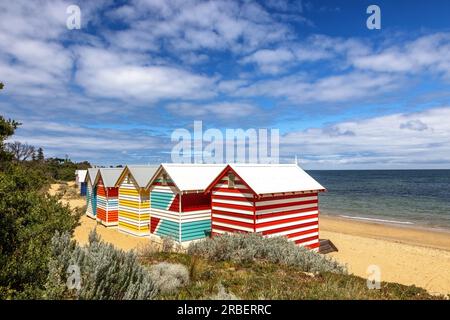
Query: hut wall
[[232, 209], [295, 216], [134, 208], [88, 200], [91, 200], [83, 188], [107, 204], [168, 217]]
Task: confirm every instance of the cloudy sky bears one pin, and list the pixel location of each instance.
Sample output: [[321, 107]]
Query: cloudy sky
[[342, 96]]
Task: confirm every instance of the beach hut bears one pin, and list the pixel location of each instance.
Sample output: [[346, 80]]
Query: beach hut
[[179, 207], [134, 200], [271, 199], [80, 180], [91, 193], [107, 195]]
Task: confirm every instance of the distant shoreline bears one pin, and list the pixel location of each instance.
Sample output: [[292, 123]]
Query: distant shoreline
[[409, 234], [384, 222]]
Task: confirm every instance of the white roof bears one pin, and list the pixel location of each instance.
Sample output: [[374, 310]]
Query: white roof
[[81, 175], [276, 178], [142, 173], [192, 176], [92, 174], [110, 176]]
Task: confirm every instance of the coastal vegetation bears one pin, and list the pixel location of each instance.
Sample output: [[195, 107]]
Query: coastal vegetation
[[247, 271], [28, 219]]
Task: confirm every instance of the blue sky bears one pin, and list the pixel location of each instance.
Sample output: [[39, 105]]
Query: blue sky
[[343, 96]]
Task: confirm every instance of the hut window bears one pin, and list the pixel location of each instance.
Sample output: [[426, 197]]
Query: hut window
[[128, 179], [231, 180]]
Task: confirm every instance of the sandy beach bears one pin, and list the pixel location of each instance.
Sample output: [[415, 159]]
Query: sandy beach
[[118, 239], [405, 255]]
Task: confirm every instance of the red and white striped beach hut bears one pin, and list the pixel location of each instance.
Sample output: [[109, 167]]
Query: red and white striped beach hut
[[271, 199]]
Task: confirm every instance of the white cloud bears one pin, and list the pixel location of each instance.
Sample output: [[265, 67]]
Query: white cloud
[[341, 88], [426, 53], [105, 73], [32, 60], [270, 61], [221, 110], [314, 49], [195, 25], [402, 140], [99, 145]]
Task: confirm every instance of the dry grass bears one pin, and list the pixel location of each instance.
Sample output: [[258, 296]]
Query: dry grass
[[265, 280]]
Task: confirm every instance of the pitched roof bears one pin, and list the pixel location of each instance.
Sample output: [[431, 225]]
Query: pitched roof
[[92, 174], [109, 176], [190, 176], [81, 175], [142, 173], [273, 178]]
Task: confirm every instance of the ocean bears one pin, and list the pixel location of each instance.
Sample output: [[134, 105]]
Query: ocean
[[405, 197]]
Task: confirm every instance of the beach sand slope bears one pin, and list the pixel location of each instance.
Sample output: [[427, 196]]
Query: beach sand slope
[[404, 255]]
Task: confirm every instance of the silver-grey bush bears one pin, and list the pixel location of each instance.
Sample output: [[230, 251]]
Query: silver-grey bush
[[106, 273], [169, 277], [241, 247]]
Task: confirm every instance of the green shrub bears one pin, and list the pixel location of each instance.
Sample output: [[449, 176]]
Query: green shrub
[[244, 248], [28, 219], [104, 272]]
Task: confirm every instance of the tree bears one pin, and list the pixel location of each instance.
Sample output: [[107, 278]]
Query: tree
[[20, 151], [40, 155], [7, 128], [28, 221], [1, 85]]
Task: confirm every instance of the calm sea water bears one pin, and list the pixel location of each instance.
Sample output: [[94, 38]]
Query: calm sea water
[[408, 197]]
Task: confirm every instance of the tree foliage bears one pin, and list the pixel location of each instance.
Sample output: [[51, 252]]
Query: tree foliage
[[7, 128], [28, 220]]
